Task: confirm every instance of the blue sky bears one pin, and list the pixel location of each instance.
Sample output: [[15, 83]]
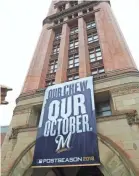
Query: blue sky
[[20, 27]]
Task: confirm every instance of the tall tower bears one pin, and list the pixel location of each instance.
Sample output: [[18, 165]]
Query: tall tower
[[79, 39]]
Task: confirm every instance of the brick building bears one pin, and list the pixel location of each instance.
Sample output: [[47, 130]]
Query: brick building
[[80, 39]]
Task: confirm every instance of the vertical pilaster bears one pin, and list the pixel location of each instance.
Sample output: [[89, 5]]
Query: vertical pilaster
[[84, 65], [61, 74], [115, 52], [35, 78]]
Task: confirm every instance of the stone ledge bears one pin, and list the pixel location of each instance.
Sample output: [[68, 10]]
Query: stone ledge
[[112, 75], [25, 108], [25, 128], [131, 116], [128, 88]]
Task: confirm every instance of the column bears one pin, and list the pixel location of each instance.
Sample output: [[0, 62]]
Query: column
[[84, 65], [115, 52], [61, 73], [36, 76]]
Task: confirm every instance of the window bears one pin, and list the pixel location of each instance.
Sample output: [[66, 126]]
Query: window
[[73, 61], [50, 83], [74, 30], [61, 20], [73, 3], [58, 21], [103, 109], [95, 54], [90, 9], [56, 49], [98, 71], [70, 17], [75, 15], [57, 36], [84, 11], [53, 66], [91, 25], [73, 44], [62, 7], [92, 37], [73, 77]]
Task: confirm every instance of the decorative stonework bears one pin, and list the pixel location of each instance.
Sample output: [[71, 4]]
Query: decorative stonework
[[14, 134], [126, 89], [132, 117], [97, 78], [26, 128], [22, 110], [68, 11]]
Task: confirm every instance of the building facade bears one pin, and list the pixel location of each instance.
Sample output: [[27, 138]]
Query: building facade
[[80, 39], [3, 132]]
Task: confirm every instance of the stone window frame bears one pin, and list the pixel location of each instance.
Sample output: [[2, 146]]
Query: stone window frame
[[97, 71], [93, 37], [73, 77], [93, 54], [74, 42], [53, 66], [103, 104], [73, 60], [103, 109]]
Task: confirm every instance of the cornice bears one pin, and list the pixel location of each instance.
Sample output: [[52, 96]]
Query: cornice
[[60, 3], [67, 11], [70, 20], [31, 94]]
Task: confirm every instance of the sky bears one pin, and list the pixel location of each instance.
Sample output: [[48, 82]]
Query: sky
[[20, 27]]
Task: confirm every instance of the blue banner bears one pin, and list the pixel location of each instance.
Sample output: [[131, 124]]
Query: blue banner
[[67, 130]]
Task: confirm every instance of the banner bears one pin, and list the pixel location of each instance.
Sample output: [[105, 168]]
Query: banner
[[67, 129]]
